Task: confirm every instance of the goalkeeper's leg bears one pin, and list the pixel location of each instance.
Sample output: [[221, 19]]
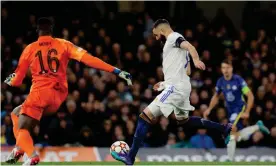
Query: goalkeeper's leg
[[16, 153], [15, 117], [24, 139]]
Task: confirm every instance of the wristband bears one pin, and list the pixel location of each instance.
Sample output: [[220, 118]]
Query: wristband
[[116, 71]]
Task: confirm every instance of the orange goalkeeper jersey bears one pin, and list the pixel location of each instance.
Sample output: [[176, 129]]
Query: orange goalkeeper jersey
[[47, 59]]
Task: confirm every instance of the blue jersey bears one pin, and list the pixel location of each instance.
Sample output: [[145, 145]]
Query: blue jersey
[[233, 91]]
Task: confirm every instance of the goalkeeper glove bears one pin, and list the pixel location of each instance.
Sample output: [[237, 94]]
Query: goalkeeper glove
[[9, 79], [124, 75]]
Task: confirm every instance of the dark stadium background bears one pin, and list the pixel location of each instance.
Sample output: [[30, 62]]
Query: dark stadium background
[[100, 108]]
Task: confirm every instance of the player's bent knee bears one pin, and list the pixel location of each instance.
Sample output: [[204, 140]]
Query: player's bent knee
[[236, 135], [148, 113], [26, 122], [235, 129], [233, 137], [146, 117], [17, 110]]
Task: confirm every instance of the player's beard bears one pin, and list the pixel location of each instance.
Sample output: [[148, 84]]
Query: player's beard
[[162, 40]]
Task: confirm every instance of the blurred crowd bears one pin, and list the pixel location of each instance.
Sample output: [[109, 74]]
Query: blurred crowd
[[101, 108]]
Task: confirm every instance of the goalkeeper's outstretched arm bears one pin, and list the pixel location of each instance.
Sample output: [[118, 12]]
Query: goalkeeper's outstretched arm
[[16, 78], [97, 63], [83, 56]]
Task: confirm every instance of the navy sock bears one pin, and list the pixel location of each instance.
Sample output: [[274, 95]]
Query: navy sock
[[139, 136], [200, 122]]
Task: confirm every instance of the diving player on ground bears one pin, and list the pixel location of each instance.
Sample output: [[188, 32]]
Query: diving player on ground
[[47, 59], [176, 90], [233, 88]]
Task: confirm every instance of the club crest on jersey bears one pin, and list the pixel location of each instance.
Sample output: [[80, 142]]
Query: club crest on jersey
[[228, 86], [234, 87]]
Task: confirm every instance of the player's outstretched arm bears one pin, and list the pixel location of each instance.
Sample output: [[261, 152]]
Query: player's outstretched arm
[[81, 55], [97, 63], [186, 45], [16, 78]]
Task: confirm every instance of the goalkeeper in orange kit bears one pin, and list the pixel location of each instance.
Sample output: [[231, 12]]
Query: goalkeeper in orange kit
[[47, 58]]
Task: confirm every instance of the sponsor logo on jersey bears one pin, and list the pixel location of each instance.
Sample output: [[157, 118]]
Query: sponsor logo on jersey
[[230, 97]]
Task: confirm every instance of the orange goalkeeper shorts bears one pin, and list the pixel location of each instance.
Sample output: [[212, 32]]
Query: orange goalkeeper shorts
[[43, 101]]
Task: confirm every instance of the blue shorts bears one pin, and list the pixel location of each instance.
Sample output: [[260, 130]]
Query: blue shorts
[[234, 117]]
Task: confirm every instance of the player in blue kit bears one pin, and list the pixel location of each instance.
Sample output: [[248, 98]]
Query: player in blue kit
[[233, 88]]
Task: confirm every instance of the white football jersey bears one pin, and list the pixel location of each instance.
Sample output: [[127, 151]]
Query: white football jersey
[[175, 62]]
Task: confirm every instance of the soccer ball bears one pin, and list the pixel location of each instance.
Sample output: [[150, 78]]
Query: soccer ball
[[119, 147]]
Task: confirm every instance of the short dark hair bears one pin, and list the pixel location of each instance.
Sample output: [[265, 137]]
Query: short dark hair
[[160, 21], [226, 61], [45, 24]]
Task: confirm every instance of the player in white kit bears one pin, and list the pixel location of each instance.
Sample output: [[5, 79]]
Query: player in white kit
[[176, 89]]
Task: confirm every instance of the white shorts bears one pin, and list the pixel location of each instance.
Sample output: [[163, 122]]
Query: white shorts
[[172, 100]]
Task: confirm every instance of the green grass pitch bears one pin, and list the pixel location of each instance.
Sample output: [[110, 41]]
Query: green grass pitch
[[154, 163]]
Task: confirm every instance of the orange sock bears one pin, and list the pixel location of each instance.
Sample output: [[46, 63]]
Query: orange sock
[[25, 142], [15, 124]]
